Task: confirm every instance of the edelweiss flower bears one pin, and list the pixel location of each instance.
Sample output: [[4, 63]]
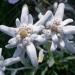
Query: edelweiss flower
[[22, 35], [58, 30], [6, 62]]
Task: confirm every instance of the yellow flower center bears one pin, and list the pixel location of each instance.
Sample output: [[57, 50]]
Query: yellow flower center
[[54, 26], [24, 31]]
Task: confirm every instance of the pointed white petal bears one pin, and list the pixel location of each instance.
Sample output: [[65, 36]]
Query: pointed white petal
[[24, 14], [8, 30], [19, 51], [69, 46], [30, 19], [0, 51], [41, 56], [55, 6], [60, 11], [41, 39], [67, 21], [2, 72], [31, 51], [69, 36], [13, 1], [8, 46], [13, 41], [43, 20], [62, 43], [17, 22], [72, 42], [33, 36], [68, 29], [26, 41], [10, 61], [54, 37], [53, 46], [37, 29], [40, 15]]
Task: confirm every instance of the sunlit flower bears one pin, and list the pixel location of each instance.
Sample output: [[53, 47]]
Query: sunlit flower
[[58, 30], [6, 62], [22, 34]]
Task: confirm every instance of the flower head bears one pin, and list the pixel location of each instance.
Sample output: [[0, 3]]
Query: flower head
[[58, 29], [22, 34], [6, 62]]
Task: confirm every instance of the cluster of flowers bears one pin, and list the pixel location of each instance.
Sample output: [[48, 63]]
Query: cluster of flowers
[[27, 36]]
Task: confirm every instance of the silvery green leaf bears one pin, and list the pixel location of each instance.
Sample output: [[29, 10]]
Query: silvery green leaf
[[44, 71], [50, 62], [30, 72], [25, 61], [54, 73], [70, 58], [13, 72], [41, 56], [53, 46]]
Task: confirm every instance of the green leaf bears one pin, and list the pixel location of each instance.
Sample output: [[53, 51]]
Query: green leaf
[[50, 62], [54, 73], [44, 71], [29, 72], [68, 58], [41, 56]]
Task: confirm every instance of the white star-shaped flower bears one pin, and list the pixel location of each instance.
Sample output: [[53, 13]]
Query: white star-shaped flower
[[6, 62], [59, 31], [22, 34]]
